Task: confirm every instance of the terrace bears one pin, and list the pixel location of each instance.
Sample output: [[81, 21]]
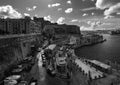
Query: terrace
[[87, 69]]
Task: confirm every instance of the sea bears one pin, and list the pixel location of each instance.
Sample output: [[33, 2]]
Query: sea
[[105, 51]]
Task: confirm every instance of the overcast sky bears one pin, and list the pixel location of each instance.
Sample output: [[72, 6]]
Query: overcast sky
[[88, 14]]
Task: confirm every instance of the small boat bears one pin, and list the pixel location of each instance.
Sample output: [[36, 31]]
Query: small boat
[[12, 80], [34, 82]]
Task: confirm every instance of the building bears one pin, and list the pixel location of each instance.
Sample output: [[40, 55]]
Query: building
[[40, 21], [19, 26], [64, 33], [63, 29], [35, 27], [73, 40]]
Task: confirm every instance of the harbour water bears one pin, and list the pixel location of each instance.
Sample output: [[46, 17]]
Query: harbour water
[[109, 50]]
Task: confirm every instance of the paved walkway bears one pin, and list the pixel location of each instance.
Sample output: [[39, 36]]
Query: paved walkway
[[87, 69]]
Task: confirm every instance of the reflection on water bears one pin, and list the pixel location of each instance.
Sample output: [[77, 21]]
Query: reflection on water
[[109, 50]]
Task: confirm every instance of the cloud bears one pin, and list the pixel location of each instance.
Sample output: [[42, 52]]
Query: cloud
[[31, 9], [36, 15], [88, 9], [92, 25], [92, 13], [111, 23], [102, 4], [86, 28], [74, 20], [48, 18], [69, 10], [88, 22], [9, 12], [69, 2], [101, 24], [34, 7], [26, 14], [59, 9], [112, 9], [108, 17], [118, 13], [49, 6], [60, 20], [83, 0], [84, 14], [92, 0], [53, 5]]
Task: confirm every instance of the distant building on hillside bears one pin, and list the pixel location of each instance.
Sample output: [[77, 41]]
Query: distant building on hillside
[[40, 21], [64, 29], [35, 27], [14, 26], [18, 26]]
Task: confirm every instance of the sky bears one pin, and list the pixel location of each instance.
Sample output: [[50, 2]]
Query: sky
[[88, 14]]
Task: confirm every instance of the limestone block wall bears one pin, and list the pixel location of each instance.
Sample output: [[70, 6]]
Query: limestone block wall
[[8, 56], [11, 53]]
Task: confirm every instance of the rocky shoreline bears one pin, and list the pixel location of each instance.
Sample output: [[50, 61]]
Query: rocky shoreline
[[90, 42]]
